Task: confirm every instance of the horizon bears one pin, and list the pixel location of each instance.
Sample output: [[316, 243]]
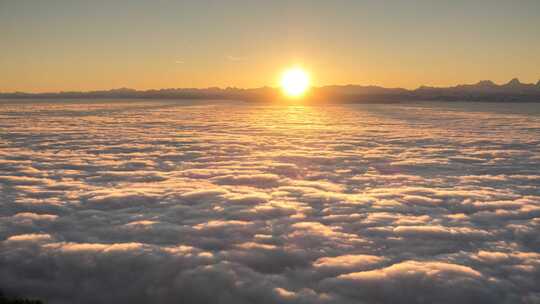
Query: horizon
[[277, 87], [76, 46]]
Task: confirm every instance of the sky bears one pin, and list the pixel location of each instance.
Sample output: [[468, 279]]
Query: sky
[[87, 45]]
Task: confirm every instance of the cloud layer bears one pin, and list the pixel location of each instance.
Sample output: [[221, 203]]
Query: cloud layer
[[229, 203]]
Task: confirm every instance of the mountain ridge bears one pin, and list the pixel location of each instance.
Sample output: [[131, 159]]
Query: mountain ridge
[[484, 90]]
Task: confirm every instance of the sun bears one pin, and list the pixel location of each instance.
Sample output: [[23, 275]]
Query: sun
[[295, 82]]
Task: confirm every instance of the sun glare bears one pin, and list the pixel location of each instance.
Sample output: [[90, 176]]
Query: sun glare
[[295, 82]]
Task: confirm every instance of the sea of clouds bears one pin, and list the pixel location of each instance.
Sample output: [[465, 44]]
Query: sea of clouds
[[162, 202]]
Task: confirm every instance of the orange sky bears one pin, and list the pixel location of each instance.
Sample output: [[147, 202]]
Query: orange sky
[[72, 45]]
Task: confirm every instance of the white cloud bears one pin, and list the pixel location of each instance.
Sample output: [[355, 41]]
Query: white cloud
[[172, 201]]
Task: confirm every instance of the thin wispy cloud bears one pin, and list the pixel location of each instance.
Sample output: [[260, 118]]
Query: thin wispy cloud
[[236, 58]]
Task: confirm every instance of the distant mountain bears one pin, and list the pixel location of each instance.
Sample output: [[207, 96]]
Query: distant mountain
[[485, 90], [489, 86]]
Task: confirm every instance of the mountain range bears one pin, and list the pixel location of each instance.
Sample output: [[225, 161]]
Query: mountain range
[[485, 90]]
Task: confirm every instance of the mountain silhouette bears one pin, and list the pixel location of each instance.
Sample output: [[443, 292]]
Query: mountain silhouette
[[485, 90]]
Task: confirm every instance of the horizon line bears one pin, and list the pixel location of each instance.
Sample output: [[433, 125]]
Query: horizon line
[[513, 80]]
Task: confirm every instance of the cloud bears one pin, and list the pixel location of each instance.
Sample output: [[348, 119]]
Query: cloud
[[24, 216], [173, 202], [31, 237], [256, 180], [235, 58], [416, 282], [348, 261]]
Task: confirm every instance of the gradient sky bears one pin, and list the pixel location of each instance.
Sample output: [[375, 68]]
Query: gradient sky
[[85, 45]]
